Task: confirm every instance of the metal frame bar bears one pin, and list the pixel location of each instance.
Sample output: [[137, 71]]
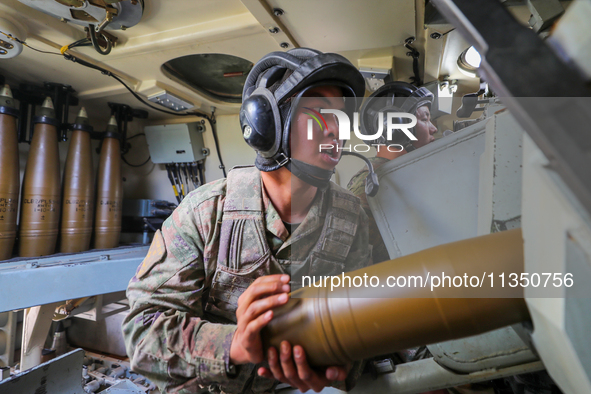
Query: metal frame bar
[[60, 375], [425, 375], [35, 328], [519, 66], [34, 281]]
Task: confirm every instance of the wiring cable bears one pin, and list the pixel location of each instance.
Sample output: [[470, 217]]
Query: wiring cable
[[136, 165], [212, 122], [108, 73], [176, 180], [135, 135], [10, 36], [211, 119], [74, 59], [80, 43], [372, 183], [179, 178], [171, 179], [447, 32], [194, 175], [183, 181], [416, 79], [200, 166], [95, 44], [184, 168]]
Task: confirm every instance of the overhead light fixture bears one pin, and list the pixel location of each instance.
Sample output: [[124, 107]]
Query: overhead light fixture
[[469, 61], [11, 39], [170, 101]]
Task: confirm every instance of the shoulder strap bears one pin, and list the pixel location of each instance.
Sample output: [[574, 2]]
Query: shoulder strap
[[243, 190], [340, 226]]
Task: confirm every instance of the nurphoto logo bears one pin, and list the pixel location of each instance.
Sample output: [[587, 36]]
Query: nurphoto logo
[[394, 120]]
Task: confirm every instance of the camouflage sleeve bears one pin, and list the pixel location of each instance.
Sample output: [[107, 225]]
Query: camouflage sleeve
[[357, 186], [165, 335]]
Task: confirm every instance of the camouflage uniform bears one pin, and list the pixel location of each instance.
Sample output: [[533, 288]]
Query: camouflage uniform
[[357, 187], [223, 236]]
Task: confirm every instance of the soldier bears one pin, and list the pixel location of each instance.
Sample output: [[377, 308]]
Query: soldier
[[219, 266], [401, 97]]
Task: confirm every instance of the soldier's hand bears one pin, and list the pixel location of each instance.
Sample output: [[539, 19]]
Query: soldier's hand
[[253, 313], [294, 370]]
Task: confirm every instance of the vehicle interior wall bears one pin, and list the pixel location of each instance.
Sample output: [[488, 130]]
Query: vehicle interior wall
[[371, 34]]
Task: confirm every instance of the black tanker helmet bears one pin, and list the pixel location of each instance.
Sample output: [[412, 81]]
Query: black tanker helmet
[[269, 91]]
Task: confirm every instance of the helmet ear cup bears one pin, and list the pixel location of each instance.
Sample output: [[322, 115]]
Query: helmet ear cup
[[398, 136], [400, 97], [260, 122]]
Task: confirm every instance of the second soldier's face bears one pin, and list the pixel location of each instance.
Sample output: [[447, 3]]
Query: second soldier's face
[[424, 129], [322, 150]]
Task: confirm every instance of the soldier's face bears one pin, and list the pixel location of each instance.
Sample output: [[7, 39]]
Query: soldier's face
[[322, 149], [424, 129]]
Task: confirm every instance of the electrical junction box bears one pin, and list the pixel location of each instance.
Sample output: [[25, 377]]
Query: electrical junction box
[[176, 143]]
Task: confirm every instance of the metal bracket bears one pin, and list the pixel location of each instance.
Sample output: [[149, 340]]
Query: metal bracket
[[123, 114], [519, 67], [30, 96], [60, 375]]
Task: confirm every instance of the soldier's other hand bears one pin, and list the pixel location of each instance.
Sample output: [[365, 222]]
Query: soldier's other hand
[[253, 313], [294, 370]]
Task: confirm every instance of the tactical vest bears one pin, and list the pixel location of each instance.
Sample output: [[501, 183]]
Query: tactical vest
[[245, 255]]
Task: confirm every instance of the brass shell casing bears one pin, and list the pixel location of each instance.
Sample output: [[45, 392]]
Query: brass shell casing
[[9, 184], [337, 327], [78, 195], [40, 207], [109, 196]]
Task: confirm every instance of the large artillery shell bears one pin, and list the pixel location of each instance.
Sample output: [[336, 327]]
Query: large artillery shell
[[337, 328], [109, 196], [40, 208], [77, 207]]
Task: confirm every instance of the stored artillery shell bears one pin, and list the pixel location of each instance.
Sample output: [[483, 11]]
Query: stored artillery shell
[[9, 170], [109, 191], [40, 208], [349, 326], [78, 195]]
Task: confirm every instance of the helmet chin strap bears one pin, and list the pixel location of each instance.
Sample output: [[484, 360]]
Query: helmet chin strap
[[312, 175]]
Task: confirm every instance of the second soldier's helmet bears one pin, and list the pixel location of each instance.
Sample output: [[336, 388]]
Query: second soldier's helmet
[[392, 97], [266, 104]]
